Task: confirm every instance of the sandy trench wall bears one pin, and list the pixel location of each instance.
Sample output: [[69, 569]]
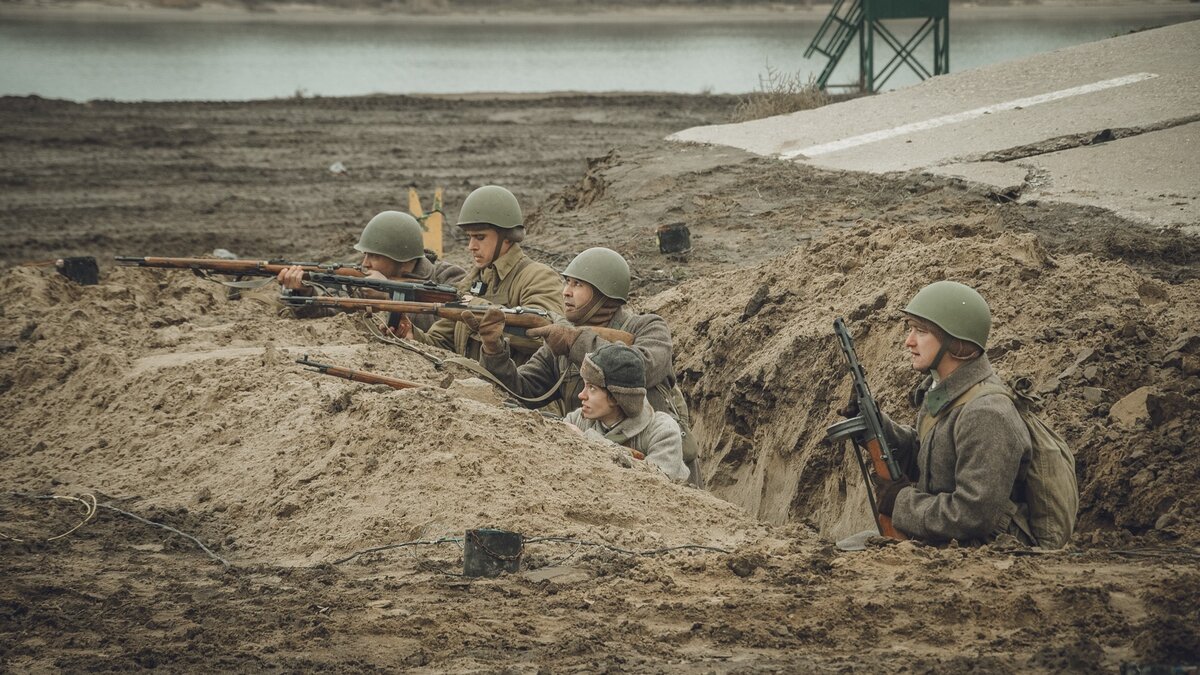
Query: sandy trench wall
[[764, 375], [155, 390]]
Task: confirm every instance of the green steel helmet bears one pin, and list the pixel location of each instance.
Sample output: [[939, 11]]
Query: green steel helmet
[[957, 309], [604, 269], [394, 235], [491, 205]]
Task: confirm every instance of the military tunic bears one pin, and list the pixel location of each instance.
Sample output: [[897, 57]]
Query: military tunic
[[652, 341], [966, 472], [513, 280]]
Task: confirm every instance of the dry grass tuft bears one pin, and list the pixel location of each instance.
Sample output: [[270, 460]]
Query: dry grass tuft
[[780, 93]]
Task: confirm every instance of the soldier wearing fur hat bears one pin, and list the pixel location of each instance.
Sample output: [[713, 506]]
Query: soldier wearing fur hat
[[503, 275], [614, 408], [963, 460], [393, 249], [595, 289]]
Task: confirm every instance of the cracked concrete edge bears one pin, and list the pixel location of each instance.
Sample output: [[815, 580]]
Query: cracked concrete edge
[[1070, 141], [993, 179]]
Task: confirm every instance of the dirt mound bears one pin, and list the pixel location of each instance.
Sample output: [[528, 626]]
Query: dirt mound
[[159, 394], [163, 390], [764, 374], [743, 210]]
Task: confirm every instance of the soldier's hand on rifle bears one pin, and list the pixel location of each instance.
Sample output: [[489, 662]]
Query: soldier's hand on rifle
[[403, 329], [292, 278], [489, 327], [371, 293], [886, 492], [558, 337], [851, 410]]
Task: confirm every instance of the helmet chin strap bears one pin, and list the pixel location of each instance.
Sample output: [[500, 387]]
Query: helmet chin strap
[[590, 310], [936, 359], [499, 242]]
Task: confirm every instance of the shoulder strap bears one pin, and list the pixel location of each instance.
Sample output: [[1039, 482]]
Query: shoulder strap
[[978, 389], [523, 262], [624, 321], [479, 370]]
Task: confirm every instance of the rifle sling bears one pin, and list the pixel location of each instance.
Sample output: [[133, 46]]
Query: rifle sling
[[249, 284], [376, 333], [475, 367]]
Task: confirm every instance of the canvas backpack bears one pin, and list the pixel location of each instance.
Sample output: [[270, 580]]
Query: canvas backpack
[[1051, 491]]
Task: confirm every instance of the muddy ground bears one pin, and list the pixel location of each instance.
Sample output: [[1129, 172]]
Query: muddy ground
[[160, 396]]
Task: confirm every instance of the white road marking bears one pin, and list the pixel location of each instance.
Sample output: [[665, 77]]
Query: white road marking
[[875, 136]]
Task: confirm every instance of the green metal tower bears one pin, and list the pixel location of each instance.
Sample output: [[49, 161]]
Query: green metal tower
[[865, 19]]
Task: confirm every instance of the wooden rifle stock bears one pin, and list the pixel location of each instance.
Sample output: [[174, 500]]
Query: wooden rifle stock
[[257, 268], [357, 375], [877, 461], [517, 317]]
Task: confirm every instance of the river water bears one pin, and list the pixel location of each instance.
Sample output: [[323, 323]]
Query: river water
[[207, 60]]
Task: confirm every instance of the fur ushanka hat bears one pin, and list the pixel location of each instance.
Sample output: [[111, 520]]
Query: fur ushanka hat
[[619, 370]]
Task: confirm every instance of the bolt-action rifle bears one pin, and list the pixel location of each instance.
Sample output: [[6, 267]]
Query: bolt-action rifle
[[517, 320], [206, 267], [357, 375], [866, 432], [256, 268]]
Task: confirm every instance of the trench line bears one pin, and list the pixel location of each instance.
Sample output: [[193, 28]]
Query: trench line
[[884, 134]]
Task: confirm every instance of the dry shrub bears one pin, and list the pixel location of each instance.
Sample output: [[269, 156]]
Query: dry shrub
[[780, 93]]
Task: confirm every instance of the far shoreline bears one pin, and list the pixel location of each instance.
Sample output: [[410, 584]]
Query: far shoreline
[[298, 14]]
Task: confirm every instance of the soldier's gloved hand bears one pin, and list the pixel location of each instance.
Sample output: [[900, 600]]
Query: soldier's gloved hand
[[851, 410], [886, 492], [557, 336], [489, 327]]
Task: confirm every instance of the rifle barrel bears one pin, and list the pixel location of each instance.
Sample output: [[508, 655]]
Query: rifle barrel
[[241, 267]]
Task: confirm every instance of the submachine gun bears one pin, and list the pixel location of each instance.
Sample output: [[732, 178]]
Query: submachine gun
[[421, 292], [866, 432], [410, 291]]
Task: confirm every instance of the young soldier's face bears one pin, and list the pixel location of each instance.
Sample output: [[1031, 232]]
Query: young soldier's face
[[922, 344], [392, 269], [576, 294], [597, 404], [482, 245]]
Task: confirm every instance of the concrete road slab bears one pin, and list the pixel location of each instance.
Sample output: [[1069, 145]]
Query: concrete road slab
[[1153, 177], [1124, 86], [1003, 177]]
